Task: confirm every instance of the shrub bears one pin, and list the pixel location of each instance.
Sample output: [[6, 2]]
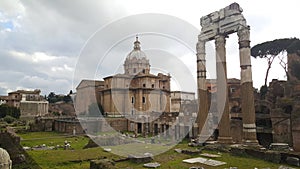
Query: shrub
[[9, 119]]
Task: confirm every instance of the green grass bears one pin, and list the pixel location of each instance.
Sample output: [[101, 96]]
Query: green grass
[[64, 158], [79, 158], [35, 135], [52, 139]]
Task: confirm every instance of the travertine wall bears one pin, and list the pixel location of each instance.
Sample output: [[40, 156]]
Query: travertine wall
[[178, 98], [87, 94], [33, 108]]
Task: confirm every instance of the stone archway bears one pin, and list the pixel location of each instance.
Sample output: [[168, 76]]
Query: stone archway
[[217, 26]]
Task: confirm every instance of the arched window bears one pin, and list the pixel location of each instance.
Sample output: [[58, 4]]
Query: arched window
[[144, 100]]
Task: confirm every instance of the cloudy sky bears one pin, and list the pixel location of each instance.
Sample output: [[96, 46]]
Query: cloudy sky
[[53, 44]]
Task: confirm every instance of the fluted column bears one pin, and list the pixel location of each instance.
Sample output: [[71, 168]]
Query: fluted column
[[222, 91], [249, 127], [202, 92]]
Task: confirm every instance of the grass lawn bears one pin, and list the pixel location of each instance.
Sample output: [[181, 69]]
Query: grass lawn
[[78, 158], [52, 139]]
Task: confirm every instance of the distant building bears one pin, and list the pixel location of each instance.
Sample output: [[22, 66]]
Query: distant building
[[144, 98], [86, 95], [134, 91], [3, 99], [30, 103], [179, 98]]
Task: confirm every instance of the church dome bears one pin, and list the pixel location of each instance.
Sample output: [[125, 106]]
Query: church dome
[[5, 161], [136, 52], [136, 61]]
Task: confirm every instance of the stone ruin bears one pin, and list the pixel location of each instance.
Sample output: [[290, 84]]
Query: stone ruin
[[5, 162], [217, 26]]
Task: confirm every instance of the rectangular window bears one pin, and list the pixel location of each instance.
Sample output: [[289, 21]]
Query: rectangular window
[[232, 90], [132, 100]]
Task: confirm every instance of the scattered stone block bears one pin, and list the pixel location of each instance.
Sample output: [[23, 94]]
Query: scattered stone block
[[107, 149], [27, 148], [152, 165], [191, 152], [214, 163], [148, 155], [178, 150], [195, 160], [279, 147], [205, 161], [210, 155], [140, 159], [293, 161], [285, 167], [196, 167]]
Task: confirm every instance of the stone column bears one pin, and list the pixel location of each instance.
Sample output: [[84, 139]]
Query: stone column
[[195, 129], [181, 125], [249, 128], [136, 128], [203, 134], [158, 127], [165, 130], [222, 91], [172, 132]]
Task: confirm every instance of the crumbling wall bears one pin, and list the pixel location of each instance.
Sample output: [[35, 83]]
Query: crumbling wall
[[20, 159]]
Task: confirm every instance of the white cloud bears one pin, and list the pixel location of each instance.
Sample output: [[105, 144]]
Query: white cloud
[[40, 56]]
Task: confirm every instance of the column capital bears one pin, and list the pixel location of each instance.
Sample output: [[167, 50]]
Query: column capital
[[244, 37], [200, 47], [243, 33], [220, 41]]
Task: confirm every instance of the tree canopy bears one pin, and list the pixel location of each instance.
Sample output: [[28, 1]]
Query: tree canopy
[[53, 98], [291, 45], [6, 110], [271, 49]]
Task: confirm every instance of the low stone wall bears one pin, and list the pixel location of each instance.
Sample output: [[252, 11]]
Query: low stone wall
[[69, 125], [272, 156], [42, 124]]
